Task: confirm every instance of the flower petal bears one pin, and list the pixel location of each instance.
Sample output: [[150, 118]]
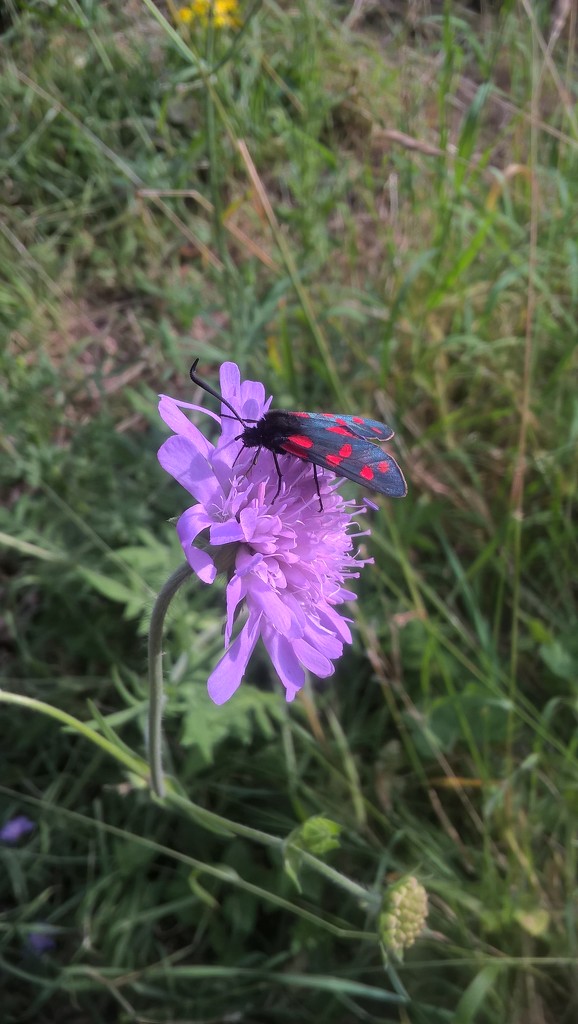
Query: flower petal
[[189, 525], [331, 619], [266, 600], [225, 457], [226, 533], [170, 412], [236, 590], [227, 676], [202, 563], [285, 661], [312, 659], [181, 459], [230, 380], [249, 518], [323, 640], [246, 562]]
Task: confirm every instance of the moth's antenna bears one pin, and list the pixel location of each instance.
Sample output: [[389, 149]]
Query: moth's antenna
[[210, 391]]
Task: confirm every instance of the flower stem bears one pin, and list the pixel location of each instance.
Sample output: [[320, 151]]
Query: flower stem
[[132, 762], [155, 654]]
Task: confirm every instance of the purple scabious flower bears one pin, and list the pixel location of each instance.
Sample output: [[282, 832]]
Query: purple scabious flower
[[287, 562], [15, 828], [39, 942]]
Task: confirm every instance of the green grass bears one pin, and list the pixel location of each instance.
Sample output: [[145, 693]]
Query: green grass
[[405, 213]]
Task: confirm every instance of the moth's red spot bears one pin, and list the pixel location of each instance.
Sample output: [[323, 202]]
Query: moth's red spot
[[383, 467], [366, 472], [304, 415], [300, 441], [376, 430], [334, 460], [292, 449], [345, 451], [358, 419], [340, 430]]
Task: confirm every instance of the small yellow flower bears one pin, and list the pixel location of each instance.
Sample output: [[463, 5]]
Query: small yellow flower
[[222, 13]]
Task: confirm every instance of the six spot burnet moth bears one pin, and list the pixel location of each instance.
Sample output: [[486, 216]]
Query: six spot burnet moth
[[341, 444]]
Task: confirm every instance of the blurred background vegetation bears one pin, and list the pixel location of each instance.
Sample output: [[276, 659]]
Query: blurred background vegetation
[[372, 207]]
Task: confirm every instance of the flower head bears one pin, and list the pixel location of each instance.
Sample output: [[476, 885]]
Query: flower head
[[39, 942], [289, 562], [403, 914], [15, 828], [222, 13]]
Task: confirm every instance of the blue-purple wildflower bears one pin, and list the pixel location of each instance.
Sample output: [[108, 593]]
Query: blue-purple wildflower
[[15, 828], [288, 562], [39, 942]]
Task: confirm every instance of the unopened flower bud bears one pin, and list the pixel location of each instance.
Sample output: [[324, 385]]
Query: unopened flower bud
[[403, 914]]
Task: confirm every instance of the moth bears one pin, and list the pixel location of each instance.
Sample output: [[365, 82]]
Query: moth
[[344, 445]]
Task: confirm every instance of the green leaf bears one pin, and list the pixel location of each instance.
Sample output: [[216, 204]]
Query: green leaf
[[108, 586], [560, 661], [248, 713], [476, 994]]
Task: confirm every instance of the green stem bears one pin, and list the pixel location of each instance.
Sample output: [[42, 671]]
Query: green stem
[[213, 149], [134, 764], [222, 873], [138, 767], [26, 548], [216, 823], [155, 654]]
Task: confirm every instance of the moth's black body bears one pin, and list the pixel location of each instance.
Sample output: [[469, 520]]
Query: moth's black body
[[272, 431]]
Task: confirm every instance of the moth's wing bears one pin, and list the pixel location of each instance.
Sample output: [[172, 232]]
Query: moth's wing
[[359, 426], [346, 454]]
